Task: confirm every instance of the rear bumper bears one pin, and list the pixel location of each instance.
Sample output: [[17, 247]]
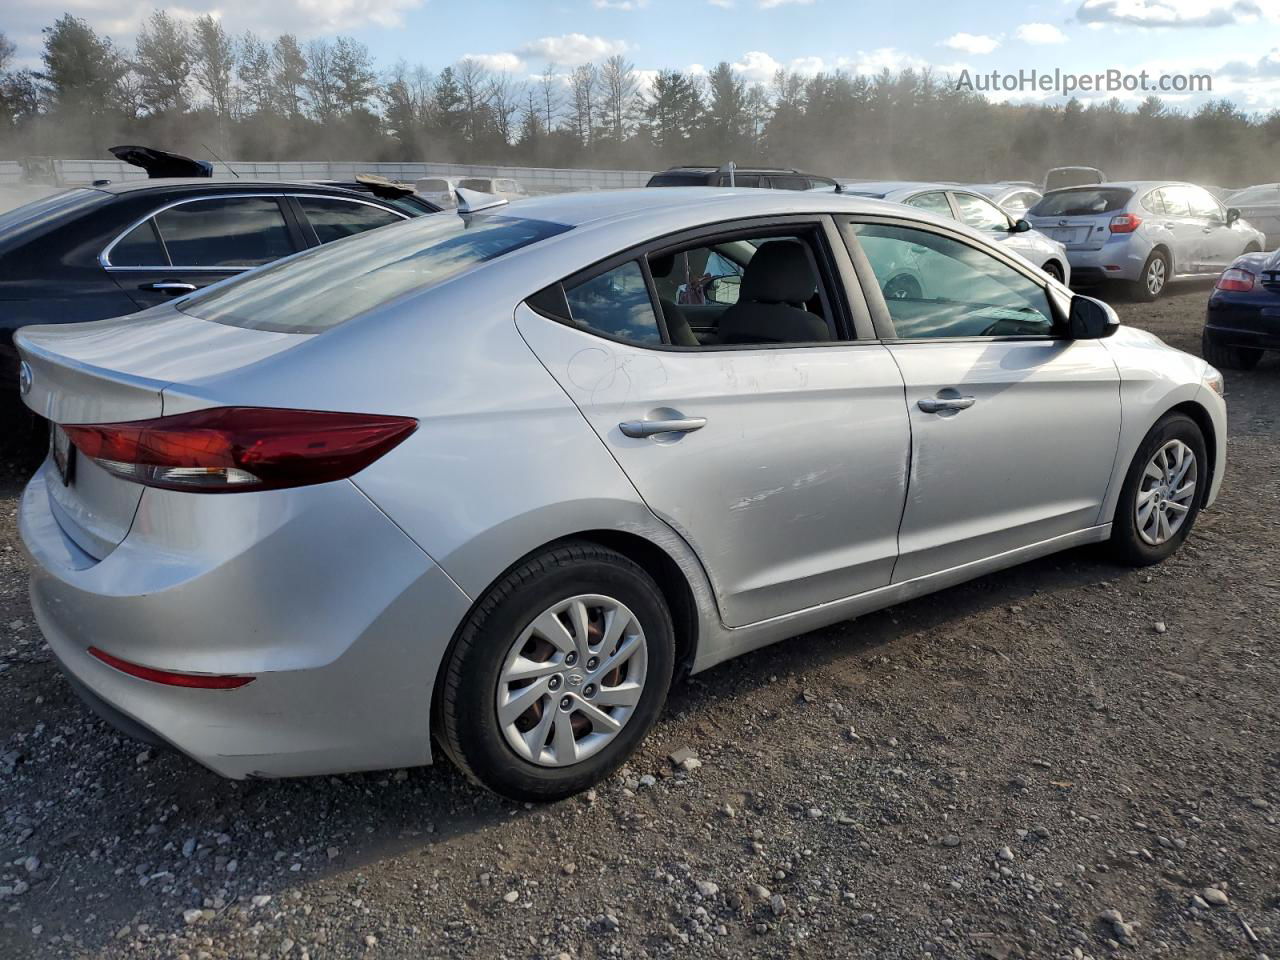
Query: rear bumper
[[340, 618], [1115, 261], [1249, 320]]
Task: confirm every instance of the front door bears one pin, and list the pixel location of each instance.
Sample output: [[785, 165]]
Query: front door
[[1014, 430], [785, 462]]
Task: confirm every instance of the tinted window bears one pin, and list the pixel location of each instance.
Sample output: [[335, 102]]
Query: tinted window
[[739, 180], [225, 232], [981, 214], [935, 286], [678, 180], [140, 247], [334, 219], [478, 184], [49, 209], [1066, 203], [933, 202], [617, 304], [329, 285], [789, 183]]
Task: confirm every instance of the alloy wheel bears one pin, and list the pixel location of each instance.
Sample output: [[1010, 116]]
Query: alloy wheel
[[572, 680], [1167, 492], [1156, 276]]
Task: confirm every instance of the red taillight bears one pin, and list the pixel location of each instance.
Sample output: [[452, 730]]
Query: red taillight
[[200, 681], [1125, 223], [1236, 279], [230, 449]]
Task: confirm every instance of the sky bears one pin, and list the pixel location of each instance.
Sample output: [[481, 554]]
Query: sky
[[1235, 42]]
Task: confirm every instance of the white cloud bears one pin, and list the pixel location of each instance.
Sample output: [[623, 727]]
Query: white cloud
[[807, 65], [1040, 34], [498, 62], [976, 43], [572, 49], [619, 4], [770, 4], [121, 20], [757, 66], [722, 4], [1177, 13]]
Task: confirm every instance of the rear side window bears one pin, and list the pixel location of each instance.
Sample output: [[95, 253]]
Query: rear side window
[[678, 180], [140, 247], [333, 218], [933, 202], [617, 304], [789, 183], [1079, 203], [225, 232], [329, 285]]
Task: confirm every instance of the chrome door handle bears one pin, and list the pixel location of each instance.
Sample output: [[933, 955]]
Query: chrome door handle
[[639, 429], [943, 404], [170, 286]]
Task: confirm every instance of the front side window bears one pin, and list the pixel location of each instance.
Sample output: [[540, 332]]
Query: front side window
[[225, 232], [331, 284], [935, 202], [1202, 204], [981, 214], [333, 218], [935, 286], [617, 304]]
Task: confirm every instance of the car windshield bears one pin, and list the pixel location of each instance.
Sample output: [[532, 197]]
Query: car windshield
[[328, 285], [47, 209], [1067, 203], [471, 183]]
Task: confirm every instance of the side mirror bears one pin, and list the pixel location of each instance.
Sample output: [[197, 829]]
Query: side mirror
[[1091, 319], [1233, 214], [1021, 226]]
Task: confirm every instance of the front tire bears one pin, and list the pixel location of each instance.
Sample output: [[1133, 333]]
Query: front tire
[[557, 675], [1162, 492], [1053, 269], [1154, 278], [1229, 358]]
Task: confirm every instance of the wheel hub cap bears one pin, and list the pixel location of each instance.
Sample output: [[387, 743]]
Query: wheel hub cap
[[571, 680], [1166, 494]]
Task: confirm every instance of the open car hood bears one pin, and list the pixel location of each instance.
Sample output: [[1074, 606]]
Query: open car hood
[[161, 165]]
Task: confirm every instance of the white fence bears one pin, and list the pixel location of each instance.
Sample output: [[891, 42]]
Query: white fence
[[534, 179]]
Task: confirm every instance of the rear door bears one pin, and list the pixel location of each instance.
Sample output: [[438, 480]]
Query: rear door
[[785, 464], [192, 243], [1187, 231], [1014, 429], [1221, 244]]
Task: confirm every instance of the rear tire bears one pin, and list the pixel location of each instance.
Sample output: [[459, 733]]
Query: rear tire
[[1053, 269], [1154, 278], [532, 755], [1138, 537], [1229, 358]]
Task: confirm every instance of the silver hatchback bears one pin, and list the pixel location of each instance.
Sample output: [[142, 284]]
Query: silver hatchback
[[494, 478], [1144, 232]]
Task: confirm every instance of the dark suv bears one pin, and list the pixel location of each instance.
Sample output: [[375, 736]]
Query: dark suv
[[770, 178]]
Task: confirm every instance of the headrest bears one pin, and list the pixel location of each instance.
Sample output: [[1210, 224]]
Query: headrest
[[779, 272], [662, 264]]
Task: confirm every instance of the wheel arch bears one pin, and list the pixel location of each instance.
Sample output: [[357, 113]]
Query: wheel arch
[[1204, 421], [1161, 247]]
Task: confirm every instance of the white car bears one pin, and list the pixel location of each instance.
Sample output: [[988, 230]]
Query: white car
[[972, 208], [1015, 199], [1260, 205], [439, 190], [504, 187]]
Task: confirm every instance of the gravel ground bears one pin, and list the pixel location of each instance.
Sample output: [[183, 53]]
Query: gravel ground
[[1068, 759]]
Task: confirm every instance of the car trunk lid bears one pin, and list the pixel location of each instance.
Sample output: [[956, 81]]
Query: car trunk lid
[[113, 371], [1075, 232]]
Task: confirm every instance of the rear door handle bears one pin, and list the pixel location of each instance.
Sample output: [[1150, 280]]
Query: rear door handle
[[169, 286], [943, 404], [639, 429]]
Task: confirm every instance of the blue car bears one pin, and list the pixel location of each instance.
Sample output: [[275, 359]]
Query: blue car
[[1243, 318]]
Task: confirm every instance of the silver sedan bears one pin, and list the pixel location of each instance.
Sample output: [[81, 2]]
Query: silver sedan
[[494, 478], [971, 207]]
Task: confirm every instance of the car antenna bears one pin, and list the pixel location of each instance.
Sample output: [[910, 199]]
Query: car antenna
[[221, 161]]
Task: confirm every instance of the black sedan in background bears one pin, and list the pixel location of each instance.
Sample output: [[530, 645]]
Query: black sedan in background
[[115, 248], [1243, 318]]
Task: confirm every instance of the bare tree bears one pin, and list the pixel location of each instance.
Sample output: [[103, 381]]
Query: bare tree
[[289, 74], [322, 84], [213, 58], [618, 88], [504, 100], [549, 100], [476, 87], [582, 83], [254, 71]]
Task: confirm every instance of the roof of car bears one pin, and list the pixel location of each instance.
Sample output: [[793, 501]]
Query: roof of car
[[885, 187], [710, 169], [181, 184], [1126, 185]]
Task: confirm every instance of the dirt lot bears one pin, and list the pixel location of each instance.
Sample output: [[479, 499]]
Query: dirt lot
[[982, 773]]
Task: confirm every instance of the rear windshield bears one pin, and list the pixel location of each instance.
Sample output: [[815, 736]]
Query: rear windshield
[[328, 285], [46, 209], [482, 186], [1075, 203], [678, 180]]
